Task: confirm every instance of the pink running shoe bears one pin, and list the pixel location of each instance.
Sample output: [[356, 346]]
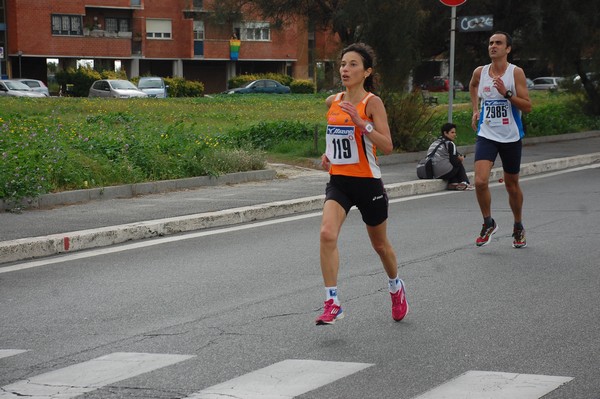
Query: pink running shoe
[[399, 303], [331, 313]]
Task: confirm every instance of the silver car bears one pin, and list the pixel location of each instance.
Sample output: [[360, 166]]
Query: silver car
[[153, 86], [35, 85], [13, 88], [546, 83], [115, 88]]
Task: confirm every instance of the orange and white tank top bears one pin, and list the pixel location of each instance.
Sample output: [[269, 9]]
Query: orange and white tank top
[[350, 152]]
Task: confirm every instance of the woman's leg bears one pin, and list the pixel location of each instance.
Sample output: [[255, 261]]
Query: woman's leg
[[381, 244], [331, 224], [383, 247]]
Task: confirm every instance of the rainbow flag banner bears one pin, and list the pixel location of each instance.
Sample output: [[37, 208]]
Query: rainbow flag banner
[[234, 49]]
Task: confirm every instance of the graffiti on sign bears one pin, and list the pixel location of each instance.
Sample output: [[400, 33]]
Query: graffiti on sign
[[476, 23]]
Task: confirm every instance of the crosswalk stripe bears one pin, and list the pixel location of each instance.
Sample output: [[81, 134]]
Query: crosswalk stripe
[[283, 380], [496, 385], [10, 352], [88, 376]]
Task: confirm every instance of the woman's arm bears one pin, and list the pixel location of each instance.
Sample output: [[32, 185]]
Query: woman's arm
[[381, 135]]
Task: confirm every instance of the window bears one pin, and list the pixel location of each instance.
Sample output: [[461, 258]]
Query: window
[[158, 28], [136, 3], [254, 31], [117, 24], [197, 4], [198, 30], [70, 25]]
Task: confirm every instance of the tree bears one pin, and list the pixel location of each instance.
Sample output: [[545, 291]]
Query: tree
[[567, 34], [391, 27]]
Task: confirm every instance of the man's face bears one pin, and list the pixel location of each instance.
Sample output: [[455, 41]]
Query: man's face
[[497, 46]]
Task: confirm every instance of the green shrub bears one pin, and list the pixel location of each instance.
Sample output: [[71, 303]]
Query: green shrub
[[565, 114], [179, 87], [77, 82], [302, 86], [411, 121]]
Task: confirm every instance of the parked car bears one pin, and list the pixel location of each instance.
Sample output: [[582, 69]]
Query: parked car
[[546, 83], [529, 83], [35, 85], [154, 86], [115, 88], [261, 86], [15, 88]]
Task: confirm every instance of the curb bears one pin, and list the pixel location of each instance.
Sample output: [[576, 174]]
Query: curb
[[36, 247]]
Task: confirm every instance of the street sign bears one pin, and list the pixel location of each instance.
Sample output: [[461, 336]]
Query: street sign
[[1, 53], [476, 23], [453, 3]]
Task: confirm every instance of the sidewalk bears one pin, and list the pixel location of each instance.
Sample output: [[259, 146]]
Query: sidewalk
[[241, 197]]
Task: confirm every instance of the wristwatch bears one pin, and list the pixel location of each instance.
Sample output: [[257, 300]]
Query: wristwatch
[[368, 128], [508, 94]]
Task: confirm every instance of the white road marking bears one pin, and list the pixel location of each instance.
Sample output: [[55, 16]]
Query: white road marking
[[165, 240], [496, 385], [10, 352], [88, 376], [283, 380]]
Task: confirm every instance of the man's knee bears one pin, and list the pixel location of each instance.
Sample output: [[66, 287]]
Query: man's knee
[[481, 183]]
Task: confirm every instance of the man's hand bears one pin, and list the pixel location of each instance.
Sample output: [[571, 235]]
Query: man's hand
[[474, 120]]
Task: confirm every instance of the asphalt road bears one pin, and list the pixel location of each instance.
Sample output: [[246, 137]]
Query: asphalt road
[[226, 302]]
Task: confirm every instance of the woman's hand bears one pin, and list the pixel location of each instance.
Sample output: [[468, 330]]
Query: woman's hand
[[325, 164], [350, 109]]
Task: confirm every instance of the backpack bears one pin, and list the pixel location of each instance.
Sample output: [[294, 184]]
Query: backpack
[[425, 165]]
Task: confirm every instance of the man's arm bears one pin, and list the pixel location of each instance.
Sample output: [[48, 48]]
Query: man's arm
[[473, 89], [521, 98]]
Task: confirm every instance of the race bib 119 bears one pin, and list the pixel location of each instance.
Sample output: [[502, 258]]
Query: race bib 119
[[341, 145]]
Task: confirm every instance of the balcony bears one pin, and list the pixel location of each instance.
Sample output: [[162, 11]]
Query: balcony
[[194, 9], [103, 33]]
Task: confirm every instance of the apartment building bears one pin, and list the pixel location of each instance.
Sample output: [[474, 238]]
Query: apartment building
[[178, 38]]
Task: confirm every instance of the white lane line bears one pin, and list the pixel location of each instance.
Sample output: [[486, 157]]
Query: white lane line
[[204, 233], [88, 376], [10, 352], [144, 244], [496, 385], [521, 179], [283, 380]]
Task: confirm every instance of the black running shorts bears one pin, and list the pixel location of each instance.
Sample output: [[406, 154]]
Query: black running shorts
[[510, 153], [367, 194]]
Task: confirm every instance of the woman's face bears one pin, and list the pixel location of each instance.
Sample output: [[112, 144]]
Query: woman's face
[[352, 70], [451, 134]]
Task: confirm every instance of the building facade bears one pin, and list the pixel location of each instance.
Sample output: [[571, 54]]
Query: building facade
[[176, 38]]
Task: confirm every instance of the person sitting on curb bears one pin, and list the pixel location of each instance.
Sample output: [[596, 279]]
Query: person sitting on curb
[[448, 162]]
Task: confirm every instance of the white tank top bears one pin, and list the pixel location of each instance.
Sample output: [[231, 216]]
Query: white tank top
[[498, 119]]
